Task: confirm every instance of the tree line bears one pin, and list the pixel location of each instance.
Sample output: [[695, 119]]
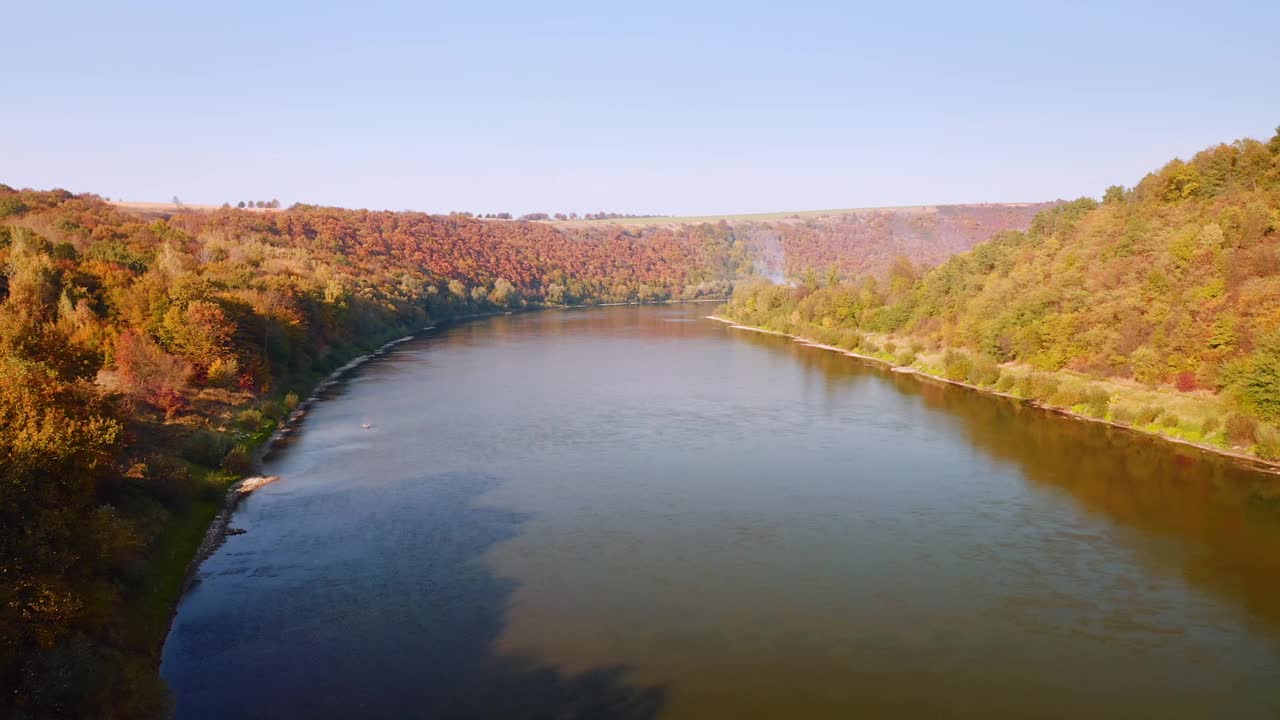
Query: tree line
[[1158, 307]]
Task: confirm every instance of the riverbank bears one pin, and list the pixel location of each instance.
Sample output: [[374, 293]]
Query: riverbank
[[929, 371], [219, 528]]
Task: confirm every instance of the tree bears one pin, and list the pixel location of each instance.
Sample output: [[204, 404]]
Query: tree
[[150, 374], [200, 332], [1255, 380]]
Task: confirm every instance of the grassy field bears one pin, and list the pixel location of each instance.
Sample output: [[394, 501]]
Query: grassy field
[[782, 216], [167, 208]]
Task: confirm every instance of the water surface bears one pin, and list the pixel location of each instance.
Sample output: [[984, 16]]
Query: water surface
[[639, 513]]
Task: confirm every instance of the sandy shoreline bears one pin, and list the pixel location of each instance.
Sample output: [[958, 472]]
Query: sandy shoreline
[[1256, 462]]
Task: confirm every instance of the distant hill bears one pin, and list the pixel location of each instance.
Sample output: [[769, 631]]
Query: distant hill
[[1172, 285]]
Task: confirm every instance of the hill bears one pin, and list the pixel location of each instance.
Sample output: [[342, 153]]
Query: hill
[[1158, 307]]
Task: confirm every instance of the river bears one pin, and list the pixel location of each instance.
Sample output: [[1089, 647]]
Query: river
[[635, 512]]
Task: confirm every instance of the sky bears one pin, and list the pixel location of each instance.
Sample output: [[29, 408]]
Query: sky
[[675, 108]]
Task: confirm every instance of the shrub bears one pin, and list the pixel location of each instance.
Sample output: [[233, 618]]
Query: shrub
[[906, 357], [1186, 382], [1096, 401], [1169, 419], [291, 402], [1042, 386], [171, 401], [890, 348], [169, 480], [956, 365], [238, 460], [249, 420], [1123, 414], [1240, 429], [1268, 439], [1210, 425], [273, 409], [1006, 382], [1068, 395], [222, 371], [204, 447], [1146, 415], [984, 372]]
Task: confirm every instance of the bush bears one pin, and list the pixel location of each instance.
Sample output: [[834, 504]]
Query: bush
[[906, 357], [237, 461], [1186, 382], [1006, 382], [1210, 425], [1169, 419], [1042, 386], [291, 402], [169, 481], [222, 371], [1240, 429], [204, 447], [1268, 439], [1068, 395], [249, 420], [956, 365], [984, 372], [1096, 401], [1146, 415], [1123, 415]]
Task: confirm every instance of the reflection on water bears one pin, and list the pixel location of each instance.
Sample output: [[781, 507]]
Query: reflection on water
[[630, 512]]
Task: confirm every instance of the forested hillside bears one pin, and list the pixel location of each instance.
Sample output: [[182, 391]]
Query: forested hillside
[[850, 243], [1157, 307], [866, 242], [143, 358]]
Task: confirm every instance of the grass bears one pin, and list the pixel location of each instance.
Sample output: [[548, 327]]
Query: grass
[[165, 570]]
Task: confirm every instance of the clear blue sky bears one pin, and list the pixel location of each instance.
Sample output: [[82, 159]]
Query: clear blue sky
[[674, 108]]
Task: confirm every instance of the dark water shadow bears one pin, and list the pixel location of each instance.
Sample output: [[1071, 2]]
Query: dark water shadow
[[1226, 510], [389, 612]]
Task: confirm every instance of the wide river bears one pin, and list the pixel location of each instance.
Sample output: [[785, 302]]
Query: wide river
[[636, 512]]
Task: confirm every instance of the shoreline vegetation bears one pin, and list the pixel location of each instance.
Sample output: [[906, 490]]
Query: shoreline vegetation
[[926, 366], [1156, 308]]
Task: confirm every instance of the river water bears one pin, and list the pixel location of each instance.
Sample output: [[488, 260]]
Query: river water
[[635, 512]]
